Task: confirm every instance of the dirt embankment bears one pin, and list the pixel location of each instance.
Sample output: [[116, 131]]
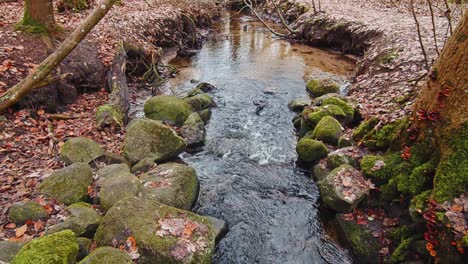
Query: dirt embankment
[[385, 36], [30, 138]]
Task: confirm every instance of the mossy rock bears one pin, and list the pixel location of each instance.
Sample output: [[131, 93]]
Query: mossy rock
[[345, 107], [220, 227], [108, 115], [323, 111], [298, 105], [83, 220], [80, 149], [58, 248], [319, 87], [401, 252], [172, 184], [8, 250], [206, 87], [109, 158], [320, 171], [340, 157], [364, 246], [143, 166], [200, 102], [112, 171], [117, 188], [328, 130], [169, 109], [310, 150], [84, 245], [364, 128], [59, 184], [381, 168], [451, 178], [193, 130], [332, 194], [147, 138], [319, 100], [107, 255], [344, 142], [143, 219], [205, 115], [194, 91], [418, 206], [20, 212]]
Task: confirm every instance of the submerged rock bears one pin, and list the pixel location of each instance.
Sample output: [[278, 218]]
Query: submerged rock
[[319, 87], [364, 246], [172, 184], [8, 250], [169, 109], [343, 189], [118, 187], [163, 234], [83, 220], [68, 185], [206, 87], [193, 130], [107, 255], [147, 138], [328, 130], [20, 212], [200, 102], [58, 248], [298, 104], [80, 149], [310, 150]]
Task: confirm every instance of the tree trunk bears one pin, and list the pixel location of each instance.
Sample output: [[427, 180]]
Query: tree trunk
[[39, 14], [440, 113], [20, 90]]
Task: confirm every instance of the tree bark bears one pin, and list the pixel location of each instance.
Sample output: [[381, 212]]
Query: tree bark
[[20, 90], [39, 13]]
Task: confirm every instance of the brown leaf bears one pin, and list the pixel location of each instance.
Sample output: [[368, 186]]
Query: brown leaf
[[21, 230]]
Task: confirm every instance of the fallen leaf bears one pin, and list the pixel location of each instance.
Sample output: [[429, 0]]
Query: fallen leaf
[[21, 230]]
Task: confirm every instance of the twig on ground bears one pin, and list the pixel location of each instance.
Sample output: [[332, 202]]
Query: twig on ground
[[433, 27], [419, 35]]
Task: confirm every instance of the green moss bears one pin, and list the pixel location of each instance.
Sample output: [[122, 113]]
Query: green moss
[[75, 5], [169, 109], [420, 177], [400, 233], [20, 212], [328, 110], [108, 115], [400, 254], [364, 128], [80, 149], [382, 168], [388, 191], [418, 204], [385, 137], [346, 108], [451, 178], [319, 87], [107, 255], [310, 150], [465, 241], [200, 102], [58, 248], [344, 142], [328, 130]]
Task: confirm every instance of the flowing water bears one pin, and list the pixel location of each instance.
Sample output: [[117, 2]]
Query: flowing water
[[247, 170]]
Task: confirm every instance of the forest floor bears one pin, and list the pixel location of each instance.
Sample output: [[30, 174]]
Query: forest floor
[[30, 139]]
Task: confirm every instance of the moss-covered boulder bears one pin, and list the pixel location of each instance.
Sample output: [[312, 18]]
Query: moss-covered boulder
[[320, 171], [319, 87], [364, 128], [194, 91], [163, 234], [116, 188], [58, 248], [345, 141], [143, 165], [20, 212], [107, 255], [318, 101], [206, 87], [200, 102], [340, 157], [83, 220], [68, 185], [84, 245], [173, 184], [298, 105], [112, 171], [8, 250], [310, 150], [193, 130], [169, 109], [343, 189], [328, 130], [80, 149], [147, 138], [345, 107], [109, 158], [205, 115], [364, 246]]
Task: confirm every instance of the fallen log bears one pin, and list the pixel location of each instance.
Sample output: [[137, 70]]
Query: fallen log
[[115, 112]]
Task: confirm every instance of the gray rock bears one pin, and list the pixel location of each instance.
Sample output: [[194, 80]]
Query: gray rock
[[298, 105], [151, 224], [151, 139], [80, 149], [113, 170], [20, 212], [143, 166], [8, 250], [220, 227], [115, 189], [200, 102], [193, 130], [83, 220], [172, 184], [58, 185], [206, 87]]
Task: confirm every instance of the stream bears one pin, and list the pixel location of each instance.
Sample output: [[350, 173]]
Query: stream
[[247, 170]]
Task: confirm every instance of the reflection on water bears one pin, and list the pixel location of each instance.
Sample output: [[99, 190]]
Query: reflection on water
[[247, 172]]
